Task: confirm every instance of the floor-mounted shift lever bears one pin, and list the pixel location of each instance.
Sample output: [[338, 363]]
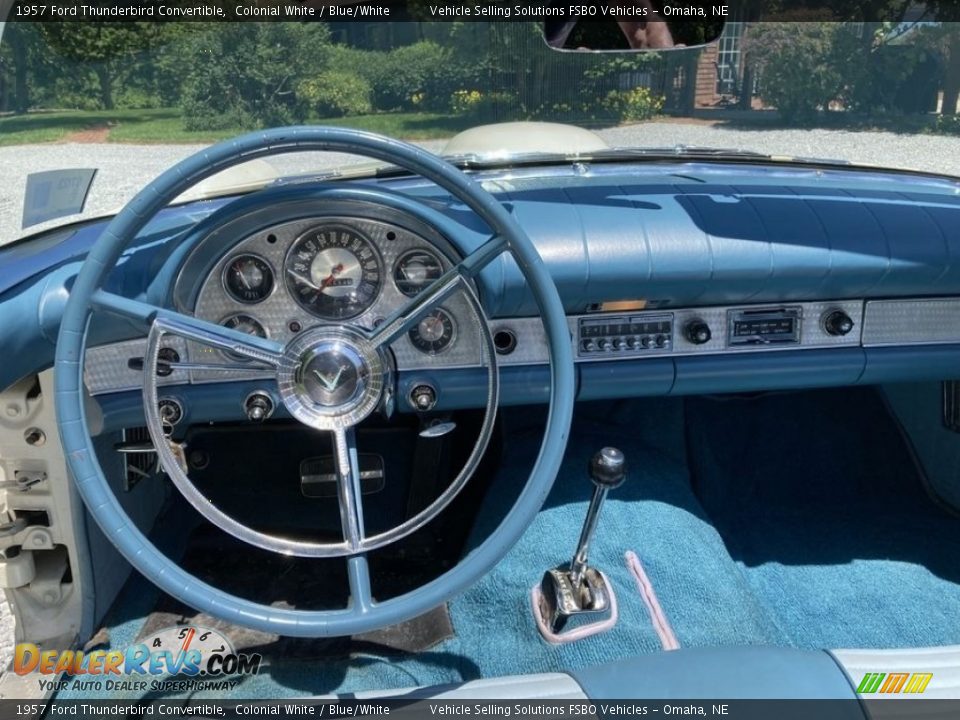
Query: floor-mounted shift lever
[[575, 594]]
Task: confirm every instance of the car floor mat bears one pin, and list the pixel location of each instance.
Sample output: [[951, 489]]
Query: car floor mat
[[304, 583]]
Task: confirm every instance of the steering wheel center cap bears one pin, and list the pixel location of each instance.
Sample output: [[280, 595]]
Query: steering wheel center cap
[[332, 374], [331, 378]]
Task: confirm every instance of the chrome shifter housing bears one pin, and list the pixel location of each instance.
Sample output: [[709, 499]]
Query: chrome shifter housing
[[575, 596], [565, 606]]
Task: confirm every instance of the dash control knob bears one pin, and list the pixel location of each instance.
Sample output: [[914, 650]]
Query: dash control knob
[[423, 397], [837, 323], [697, 332], [258, 406]]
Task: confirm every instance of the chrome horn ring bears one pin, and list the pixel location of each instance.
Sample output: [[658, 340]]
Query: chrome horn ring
[[332, 378], [352, 374]]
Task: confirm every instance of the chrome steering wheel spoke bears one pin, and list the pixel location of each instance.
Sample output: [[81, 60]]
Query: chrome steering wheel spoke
[[329, 379], [268, 352], [349, 494], [453, 280], [348, 487]]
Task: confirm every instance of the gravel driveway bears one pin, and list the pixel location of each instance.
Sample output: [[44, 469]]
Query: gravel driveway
[[123, 169]]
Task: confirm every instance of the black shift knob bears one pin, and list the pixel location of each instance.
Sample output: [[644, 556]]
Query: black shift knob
[[608, 468]]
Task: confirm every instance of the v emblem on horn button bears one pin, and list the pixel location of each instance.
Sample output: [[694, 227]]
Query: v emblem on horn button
[[331, 381]]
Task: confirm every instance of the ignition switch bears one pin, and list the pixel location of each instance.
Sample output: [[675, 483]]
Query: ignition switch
[[423, 397], [258, 406]]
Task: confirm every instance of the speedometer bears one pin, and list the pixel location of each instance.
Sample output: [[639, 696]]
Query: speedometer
[[334, 272]]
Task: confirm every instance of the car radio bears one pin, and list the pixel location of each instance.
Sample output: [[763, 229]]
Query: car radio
[[625, 334], [767, 326]]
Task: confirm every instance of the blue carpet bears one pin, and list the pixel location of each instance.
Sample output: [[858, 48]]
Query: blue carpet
[[819, 500], [825, 539], [654, 514]]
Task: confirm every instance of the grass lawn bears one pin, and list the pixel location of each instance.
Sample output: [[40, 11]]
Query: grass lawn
[[165, 127]]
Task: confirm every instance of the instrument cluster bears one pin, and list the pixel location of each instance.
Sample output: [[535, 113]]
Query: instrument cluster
[[331, 270]]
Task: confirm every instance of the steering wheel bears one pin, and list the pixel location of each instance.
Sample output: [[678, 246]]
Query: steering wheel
[[319, 407]]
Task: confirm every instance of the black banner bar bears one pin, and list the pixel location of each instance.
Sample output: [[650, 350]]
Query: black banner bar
[[438, 11], [421, 709]]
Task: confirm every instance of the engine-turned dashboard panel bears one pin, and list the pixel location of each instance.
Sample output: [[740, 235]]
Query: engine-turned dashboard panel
[[609, 337], [282, 280], [718, 329]]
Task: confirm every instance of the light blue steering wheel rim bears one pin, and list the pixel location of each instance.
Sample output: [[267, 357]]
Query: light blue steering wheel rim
[[103, 505]]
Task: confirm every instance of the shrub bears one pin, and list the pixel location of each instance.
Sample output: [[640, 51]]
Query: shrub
[[947, 125], [486, 106], [464, 102], [799, 72], [336, 93], [412, 77], [633, 105], [262, 91], [887, 79], [135, 98]]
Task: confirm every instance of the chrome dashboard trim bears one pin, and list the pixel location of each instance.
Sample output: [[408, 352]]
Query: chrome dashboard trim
[[929, 321], [110, 361], [531, 341]]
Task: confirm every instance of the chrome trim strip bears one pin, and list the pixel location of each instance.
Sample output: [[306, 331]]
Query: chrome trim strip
[[877, 323], [932, 321]]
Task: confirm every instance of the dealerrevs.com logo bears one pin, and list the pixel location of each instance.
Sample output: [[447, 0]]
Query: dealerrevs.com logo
[[173, 659]]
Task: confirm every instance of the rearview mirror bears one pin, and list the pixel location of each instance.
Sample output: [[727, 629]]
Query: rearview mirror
[[633, 25]]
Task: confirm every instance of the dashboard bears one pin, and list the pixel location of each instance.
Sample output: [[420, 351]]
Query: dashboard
[[687, 279]]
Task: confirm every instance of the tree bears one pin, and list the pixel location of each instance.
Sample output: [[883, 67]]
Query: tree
[[249, 74], [798, 67], [107, 47], [17, 43], [947, 36]]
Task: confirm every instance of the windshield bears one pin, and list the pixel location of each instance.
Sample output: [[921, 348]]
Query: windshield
[[128, 99]]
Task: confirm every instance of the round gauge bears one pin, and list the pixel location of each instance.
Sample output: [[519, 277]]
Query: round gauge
[[434, 333], [193, 643], [248, 278], [333, 272], [415, 270], [245, 324]]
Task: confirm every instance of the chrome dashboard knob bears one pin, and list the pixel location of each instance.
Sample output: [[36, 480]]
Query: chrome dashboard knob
[[258, 406], [697, 332], [423, 397], [837, 323]]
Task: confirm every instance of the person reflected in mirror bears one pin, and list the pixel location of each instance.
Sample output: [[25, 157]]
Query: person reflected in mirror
[[651, 33]]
